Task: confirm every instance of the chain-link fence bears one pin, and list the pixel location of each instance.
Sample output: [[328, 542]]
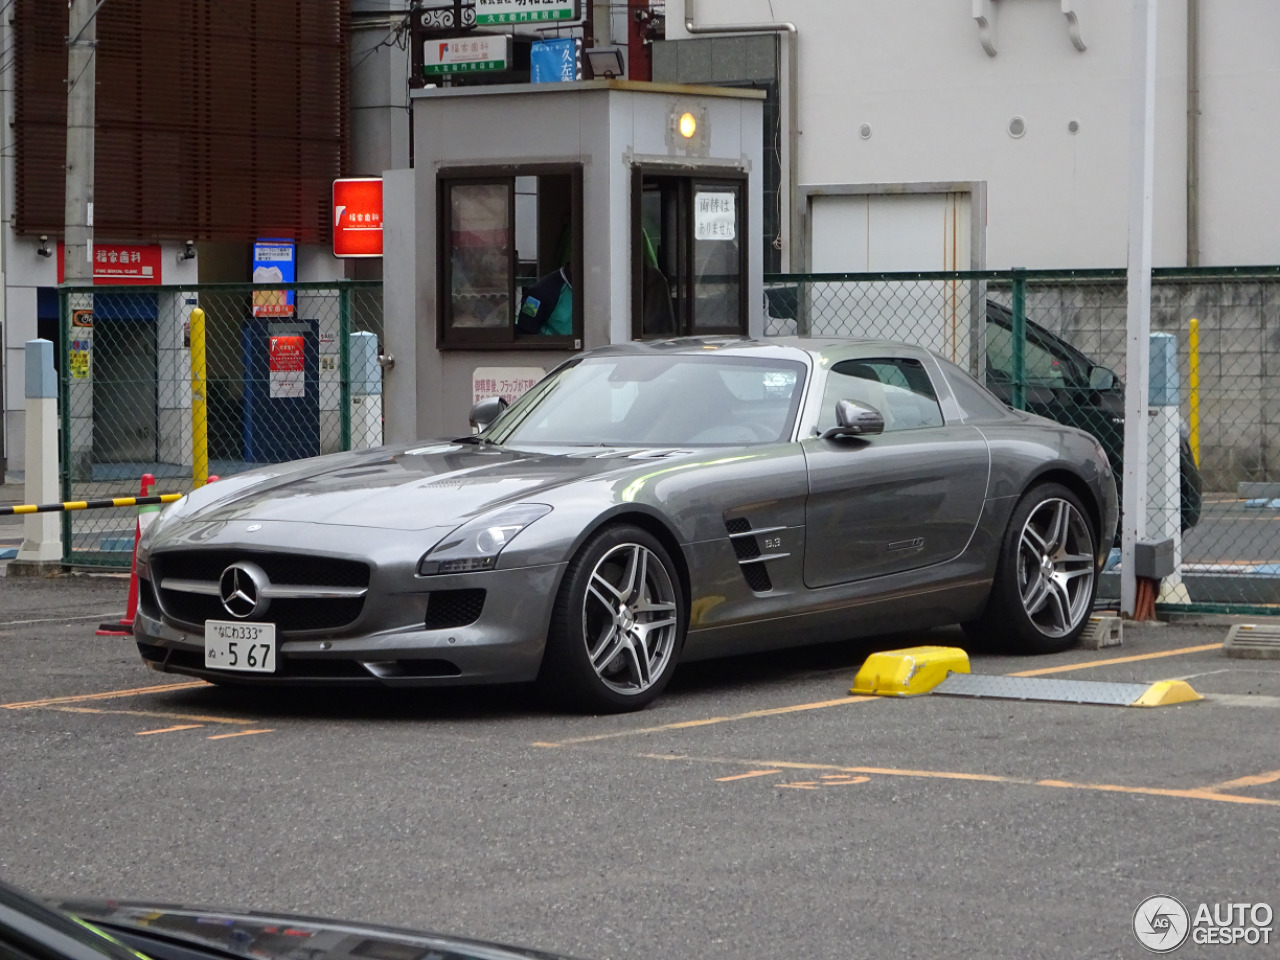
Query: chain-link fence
[[290, 372], [1054, 342]]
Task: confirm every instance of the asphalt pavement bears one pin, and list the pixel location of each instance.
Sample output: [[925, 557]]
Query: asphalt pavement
[[757, 810]]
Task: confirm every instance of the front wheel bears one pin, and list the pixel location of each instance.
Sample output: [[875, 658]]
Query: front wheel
[[1046, 576], [617, 626]]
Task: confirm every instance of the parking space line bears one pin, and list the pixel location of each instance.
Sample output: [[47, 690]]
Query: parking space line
[[1257, 780], [686, 724], [108, 695], [181, 726], [747, 775], [231, 721], [1210, 794], [238, 733], [1067, 667], [1193, 794]]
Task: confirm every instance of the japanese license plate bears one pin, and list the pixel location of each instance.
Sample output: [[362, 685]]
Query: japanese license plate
[[236, 645]]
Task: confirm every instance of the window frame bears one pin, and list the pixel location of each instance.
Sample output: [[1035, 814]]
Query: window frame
[[451, 337]]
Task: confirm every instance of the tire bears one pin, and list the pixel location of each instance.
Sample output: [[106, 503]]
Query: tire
[[617, 626], [1046, 576]]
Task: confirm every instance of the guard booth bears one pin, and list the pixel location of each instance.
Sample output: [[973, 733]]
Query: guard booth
[[542, 220]]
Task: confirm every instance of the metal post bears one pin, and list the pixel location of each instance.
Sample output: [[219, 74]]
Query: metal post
[[82, 45], [344, 364], [41, 550], [1141, 178], [1193, 390], [1018, 389], [199, 408]]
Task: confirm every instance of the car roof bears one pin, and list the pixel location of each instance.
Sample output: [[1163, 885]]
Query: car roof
[[811, 349]]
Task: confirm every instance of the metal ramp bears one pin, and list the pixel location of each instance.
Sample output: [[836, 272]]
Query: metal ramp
[[1253, 641], [1066, 691]]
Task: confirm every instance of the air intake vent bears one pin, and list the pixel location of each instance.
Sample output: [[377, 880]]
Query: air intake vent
[[746, 547], [453, 608], [757, 577]]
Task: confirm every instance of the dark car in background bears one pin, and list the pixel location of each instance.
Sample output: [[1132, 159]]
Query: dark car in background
[[1065, 385], [59, 929]]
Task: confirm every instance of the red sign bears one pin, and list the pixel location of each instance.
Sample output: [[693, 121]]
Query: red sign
[[285, 367], [357, 217], [120, 263]]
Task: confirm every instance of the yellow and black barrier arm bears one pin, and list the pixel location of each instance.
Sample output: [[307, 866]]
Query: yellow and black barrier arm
[[89, 504]]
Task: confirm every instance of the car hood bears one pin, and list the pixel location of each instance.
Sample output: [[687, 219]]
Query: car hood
[[408, 488], [156, 929]]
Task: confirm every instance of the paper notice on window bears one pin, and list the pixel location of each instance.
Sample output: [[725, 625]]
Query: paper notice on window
[[714, 216]]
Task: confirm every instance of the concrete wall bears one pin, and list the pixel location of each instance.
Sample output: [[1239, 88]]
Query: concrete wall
[[939, 108]]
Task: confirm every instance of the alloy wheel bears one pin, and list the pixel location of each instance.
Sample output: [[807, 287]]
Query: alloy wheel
[[1055, 567], [629, 618]]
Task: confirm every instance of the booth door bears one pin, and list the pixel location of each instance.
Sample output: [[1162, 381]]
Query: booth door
[[689, 254]]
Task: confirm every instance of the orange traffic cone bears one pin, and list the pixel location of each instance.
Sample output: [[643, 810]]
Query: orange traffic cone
[[124, 628]]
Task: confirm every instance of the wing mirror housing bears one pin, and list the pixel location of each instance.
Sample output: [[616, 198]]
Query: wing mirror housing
[[855, 419], [485, 411]]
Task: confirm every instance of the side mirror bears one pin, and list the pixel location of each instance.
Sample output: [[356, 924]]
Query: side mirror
[[1100, 378], [855, 419], [485, 411]]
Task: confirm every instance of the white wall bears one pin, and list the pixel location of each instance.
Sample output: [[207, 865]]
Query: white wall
[[939, 108]]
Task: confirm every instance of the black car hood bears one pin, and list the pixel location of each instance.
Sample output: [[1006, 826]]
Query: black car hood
[[409, 488], [161, 932]]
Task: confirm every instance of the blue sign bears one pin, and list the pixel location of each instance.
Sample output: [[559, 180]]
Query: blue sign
[[274, 261], [556, 61]]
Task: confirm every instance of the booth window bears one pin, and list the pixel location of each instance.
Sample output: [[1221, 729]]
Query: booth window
[[689, 253], [510, 257]]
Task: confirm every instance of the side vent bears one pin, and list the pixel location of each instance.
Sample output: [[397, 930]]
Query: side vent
[[752, 560]]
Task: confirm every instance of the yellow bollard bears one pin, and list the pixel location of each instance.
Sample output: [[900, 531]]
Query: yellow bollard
[[199, 408], [1193, 392]]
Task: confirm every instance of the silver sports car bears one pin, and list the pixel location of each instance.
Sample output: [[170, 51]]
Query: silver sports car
[[644, 504]]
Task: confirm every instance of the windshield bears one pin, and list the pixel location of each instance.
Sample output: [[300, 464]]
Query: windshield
[[658, 401]]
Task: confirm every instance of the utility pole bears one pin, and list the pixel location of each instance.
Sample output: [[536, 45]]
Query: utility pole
[[82, 41]]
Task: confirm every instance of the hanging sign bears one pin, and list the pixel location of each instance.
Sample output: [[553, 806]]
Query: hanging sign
[[273, 262], [527, 11], [286, 366], [714, 216], [119, 263], [556, 61], [466, 55], [357, 217]]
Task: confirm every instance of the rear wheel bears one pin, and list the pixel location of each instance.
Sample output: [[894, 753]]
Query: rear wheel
[[1046, 577], [617, 626]]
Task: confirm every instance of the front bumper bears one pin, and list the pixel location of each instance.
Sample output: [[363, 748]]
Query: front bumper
[[504, 644]]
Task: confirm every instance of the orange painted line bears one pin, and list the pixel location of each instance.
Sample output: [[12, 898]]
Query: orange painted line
[[160, 714], [238, 733], [1067, 667], [745, 776], [1256, 780], [1193, 794], [1158, 792], [111, 694], [686, 724], [800, 785], [182, 726]]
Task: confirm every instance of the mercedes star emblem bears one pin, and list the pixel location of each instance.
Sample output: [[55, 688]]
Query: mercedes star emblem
[[243, 588]]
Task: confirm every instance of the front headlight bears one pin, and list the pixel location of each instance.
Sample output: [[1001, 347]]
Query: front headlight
[[476, 545]]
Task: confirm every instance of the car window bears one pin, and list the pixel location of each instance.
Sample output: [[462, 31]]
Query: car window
[[899, 388], [658, 400], [1043, 368]]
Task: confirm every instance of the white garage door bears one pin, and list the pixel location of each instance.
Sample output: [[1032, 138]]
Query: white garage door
[[876, 233]]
